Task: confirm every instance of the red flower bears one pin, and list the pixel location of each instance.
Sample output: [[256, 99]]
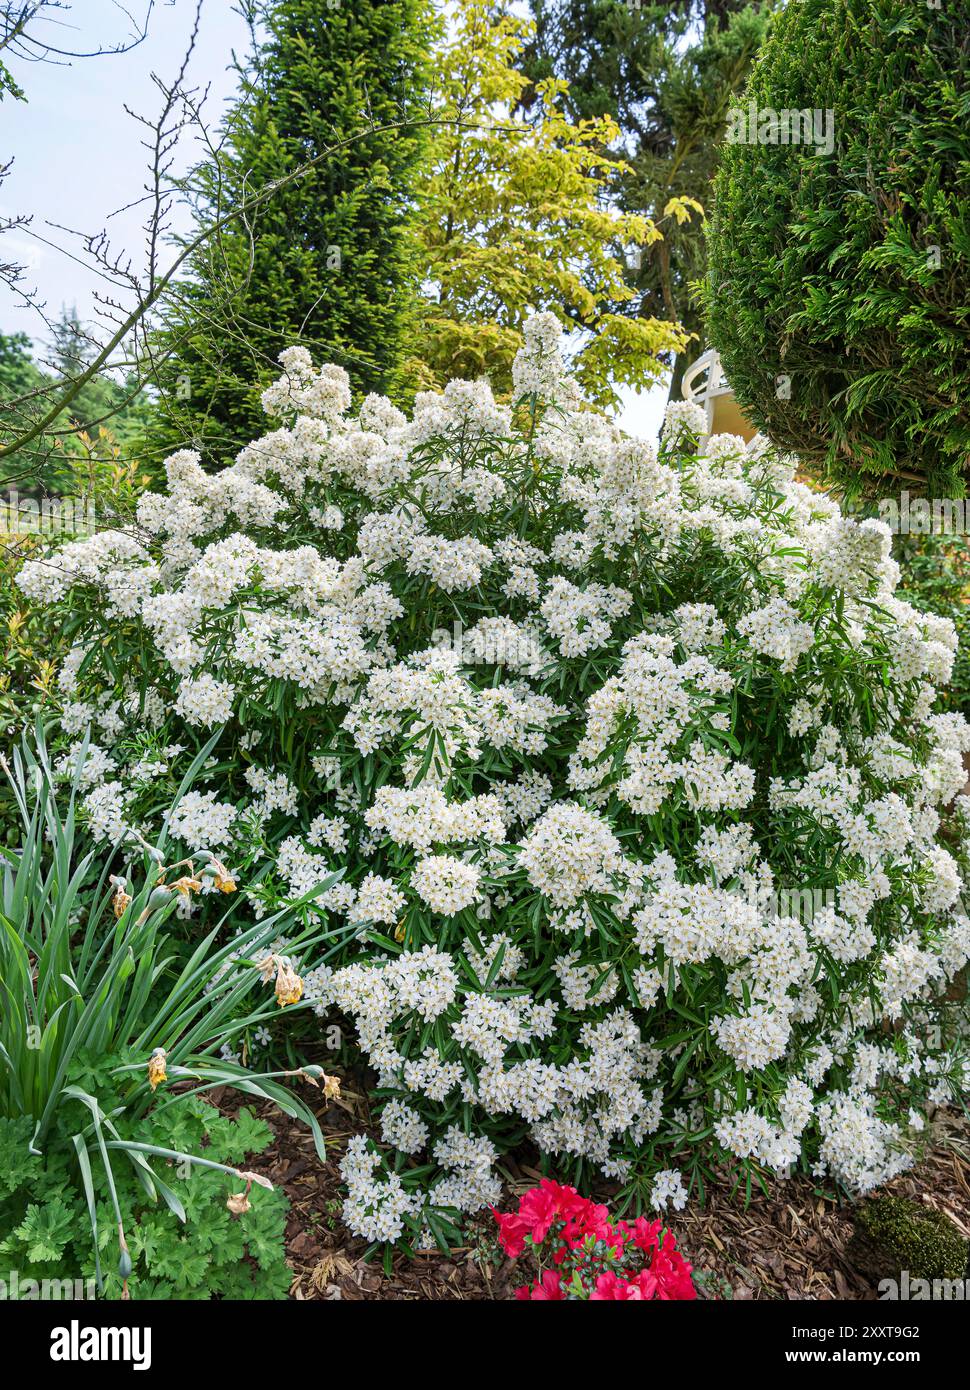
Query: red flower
[[646, 1234], [538, 1209], [672, 1273], [612, 1289], [548, 1288], [646, 1282], [589, 1219], [512, 1231], [642, 1260]]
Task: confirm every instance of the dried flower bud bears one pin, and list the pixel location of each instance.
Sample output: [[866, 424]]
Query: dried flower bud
[[156, 1068], [256, 1178], [187, 885], [289, 986], [319, 1078], [238, 1203], [224, 880]]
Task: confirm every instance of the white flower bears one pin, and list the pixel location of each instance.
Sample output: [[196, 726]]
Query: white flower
[[668, 1188], [205, 700], [684, 423], [538, 366], [202, 821], [446, 884]]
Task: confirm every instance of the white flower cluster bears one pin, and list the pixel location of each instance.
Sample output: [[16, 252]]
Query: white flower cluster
[[675, 688], [377, 1202], [201, 821]]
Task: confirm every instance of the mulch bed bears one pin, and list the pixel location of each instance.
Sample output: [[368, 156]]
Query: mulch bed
[[790, 1244]]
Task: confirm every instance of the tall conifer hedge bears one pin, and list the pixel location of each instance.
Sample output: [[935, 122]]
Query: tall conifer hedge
[[837, 285]]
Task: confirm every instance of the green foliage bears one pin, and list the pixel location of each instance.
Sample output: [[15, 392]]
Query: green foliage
[[324, 261], [120, 405], [31, 645], [17, 370], [936, 579], [105, 417], [8, 86], [666, 74], [517, 214], [22, 388], [213, 1254], [87, 970], [893, 1234], [84, 465], [836, 293]]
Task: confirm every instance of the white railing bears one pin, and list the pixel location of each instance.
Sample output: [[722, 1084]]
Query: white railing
[[705, 384]]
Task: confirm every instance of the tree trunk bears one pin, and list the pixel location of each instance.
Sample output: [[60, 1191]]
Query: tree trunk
[[681, 362]]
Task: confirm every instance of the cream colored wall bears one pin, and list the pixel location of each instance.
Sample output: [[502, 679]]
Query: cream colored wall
[[730, 419]]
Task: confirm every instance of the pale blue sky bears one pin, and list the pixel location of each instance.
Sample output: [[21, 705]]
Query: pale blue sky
[[78, 157]]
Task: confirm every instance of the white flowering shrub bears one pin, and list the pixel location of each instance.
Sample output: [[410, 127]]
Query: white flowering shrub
[[584, 727]]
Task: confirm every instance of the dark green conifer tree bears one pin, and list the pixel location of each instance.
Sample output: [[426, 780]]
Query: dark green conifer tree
[[325, 261]]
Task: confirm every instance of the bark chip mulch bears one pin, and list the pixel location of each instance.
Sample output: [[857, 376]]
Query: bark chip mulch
[[788, 1244]]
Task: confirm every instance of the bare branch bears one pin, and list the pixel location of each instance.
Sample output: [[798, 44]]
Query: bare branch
[[25, 26], [148, 295]]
